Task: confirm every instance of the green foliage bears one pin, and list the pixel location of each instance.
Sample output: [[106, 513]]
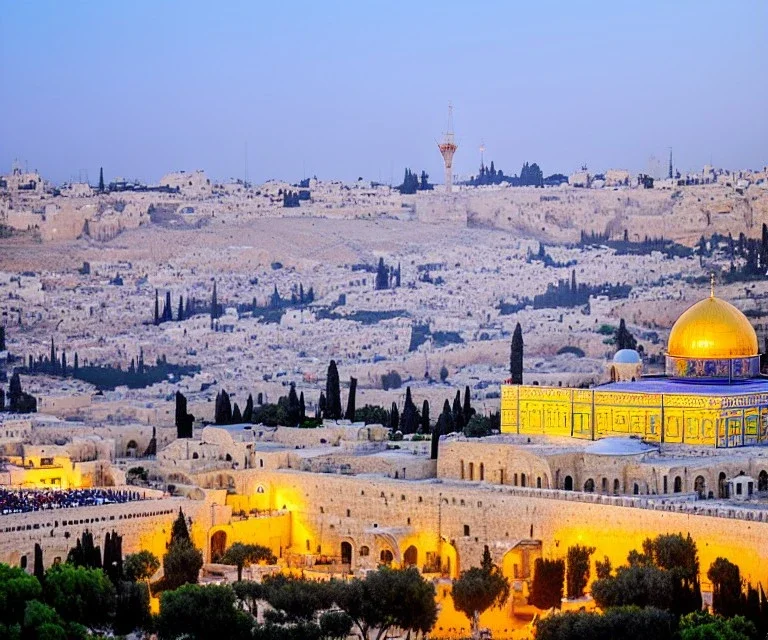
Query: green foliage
[[391, 380], [372, 414], [17, 588], [665, 576], [479, 589], [335, 625], [516, 355], [248, 593], [547, 584], [726, 587], [202, 613], [140, 566], [244, 555], [271, 415], [181, 564], [577, 570], [478, 427], [443, 373], [388, 598], [624, 339], [179, 531], [701, 625], [132, 607], [627, 623], [603, 568], [85, 553], [81, 595]]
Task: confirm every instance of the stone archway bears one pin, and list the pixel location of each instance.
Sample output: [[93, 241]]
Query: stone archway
[[568, 483], [410, 557], [700, 487], [762, 480], [218, 545], [346, 553], [386, 557]]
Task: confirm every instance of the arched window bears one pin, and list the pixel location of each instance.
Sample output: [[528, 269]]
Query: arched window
[[700, 487], [522, 480], [605, 485], [616, 487], [386, 557], [195, 455], [410, 557], [722, 488], [538, 482], [636, 489], [568, 483], [678, 484], [364, 551], [762, 481], [346, 553], [589, 486]]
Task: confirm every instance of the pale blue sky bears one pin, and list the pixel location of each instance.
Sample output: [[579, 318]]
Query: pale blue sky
[[341, 89]]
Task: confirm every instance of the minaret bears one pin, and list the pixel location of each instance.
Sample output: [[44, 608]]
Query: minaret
[[447, 149]]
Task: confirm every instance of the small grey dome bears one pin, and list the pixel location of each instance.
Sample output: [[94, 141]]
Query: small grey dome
[[627, 356]]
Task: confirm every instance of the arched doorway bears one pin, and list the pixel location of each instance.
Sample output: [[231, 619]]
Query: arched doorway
[[410, 557], [386, 557], [346, 553], [568, 483], [722, 487], [131, 448], [613, 374], [589, 486], [523, 481], [218, 545], [616, 487], [700, 487], [678, 484], [762, 481]]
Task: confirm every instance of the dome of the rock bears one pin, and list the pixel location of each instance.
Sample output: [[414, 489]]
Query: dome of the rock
[[712, 328]]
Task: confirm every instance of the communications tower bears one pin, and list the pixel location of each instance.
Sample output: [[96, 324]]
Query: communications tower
[[447, 148]]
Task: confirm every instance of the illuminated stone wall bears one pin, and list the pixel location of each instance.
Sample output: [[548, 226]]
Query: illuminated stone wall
[[725, 421]]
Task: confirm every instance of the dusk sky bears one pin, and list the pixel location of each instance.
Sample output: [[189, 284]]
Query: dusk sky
[[348, 89]]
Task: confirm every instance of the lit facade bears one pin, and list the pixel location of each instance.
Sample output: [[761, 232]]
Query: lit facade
[[712, 394]]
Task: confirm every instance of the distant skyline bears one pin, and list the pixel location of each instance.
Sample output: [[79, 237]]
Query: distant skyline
[[348, 89]]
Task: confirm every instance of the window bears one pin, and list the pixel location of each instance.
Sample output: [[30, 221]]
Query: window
[[349, 513], [738, 488], [466, 531], [471, 471], [364, 551], [482, 472], [678, 484]]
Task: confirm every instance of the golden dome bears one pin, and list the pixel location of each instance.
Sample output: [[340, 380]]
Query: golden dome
[[712, 328]]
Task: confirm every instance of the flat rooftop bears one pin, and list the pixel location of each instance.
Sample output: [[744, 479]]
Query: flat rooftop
[[670, 386]]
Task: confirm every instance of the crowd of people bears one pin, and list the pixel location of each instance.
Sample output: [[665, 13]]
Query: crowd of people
[[25, 500]]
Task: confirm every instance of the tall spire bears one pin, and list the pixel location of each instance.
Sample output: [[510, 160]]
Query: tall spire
[[447, 149], [712, 284]]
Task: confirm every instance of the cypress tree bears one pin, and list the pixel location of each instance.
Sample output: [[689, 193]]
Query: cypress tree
[[63, 362], [350, 414], [457, 413], [237, 417], [2, 399], [447, 417], [467, 409], [214, 303], [180, 315], [294, 408], [157, 307], [39, 568], [333, 392], [382, 275], [76, 365], [53, 356], [425, 417], [516, 356], [394, 418], [184, 420], [101, 179], [302, 408], [223, 408], [435, 443], [167, 317], [2, 338], [248, 413], [322, 406]]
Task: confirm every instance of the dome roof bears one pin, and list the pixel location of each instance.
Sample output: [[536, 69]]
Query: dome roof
[[712, 328], [627, 356]]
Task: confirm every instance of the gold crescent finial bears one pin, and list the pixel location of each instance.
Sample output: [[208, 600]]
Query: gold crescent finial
[[712, 284]]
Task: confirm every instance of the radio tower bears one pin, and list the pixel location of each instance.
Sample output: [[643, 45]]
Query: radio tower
[[447, 149]]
